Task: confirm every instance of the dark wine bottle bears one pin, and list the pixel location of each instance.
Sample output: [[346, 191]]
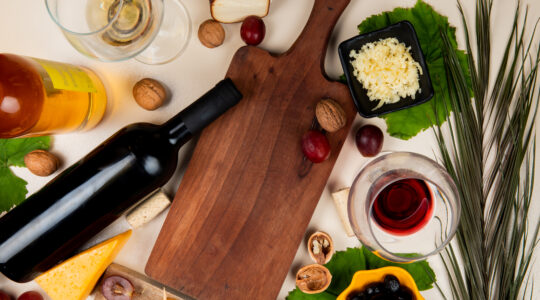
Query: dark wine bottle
[[58, 219]]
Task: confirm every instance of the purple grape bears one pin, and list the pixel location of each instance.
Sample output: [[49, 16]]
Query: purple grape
[[117, 288], [369, 140], [315, 146], [30, 295], [4, 296], [253, 30]]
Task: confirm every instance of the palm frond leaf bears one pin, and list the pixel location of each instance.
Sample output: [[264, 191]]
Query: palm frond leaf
[[488, 147]]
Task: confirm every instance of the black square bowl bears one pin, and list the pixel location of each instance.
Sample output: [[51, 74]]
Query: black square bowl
[[404, 32]]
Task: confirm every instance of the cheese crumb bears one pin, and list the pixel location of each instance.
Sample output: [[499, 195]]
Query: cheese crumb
[[387, 71]]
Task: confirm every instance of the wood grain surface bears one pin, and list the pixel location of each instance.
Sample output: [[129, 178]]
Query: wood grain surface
[[248, 194]]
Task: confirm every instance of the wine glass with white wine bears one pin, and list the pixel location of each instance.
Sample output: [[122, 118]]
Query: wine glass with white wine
[[152, 31]]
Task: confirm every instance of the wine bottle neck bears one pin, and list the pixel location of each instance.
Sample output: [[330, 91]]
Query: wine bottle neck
[[176, 132], [202, 112]]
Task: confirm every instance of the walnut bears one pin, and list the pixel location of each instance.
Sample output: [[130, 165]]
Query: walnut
[[41, 162], [330, 115], [320, 247], [211, 33], [149, 93], [313, 279]]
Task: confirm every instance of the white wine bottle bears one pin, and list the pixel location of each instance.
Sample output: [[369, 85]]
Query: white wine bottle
[[42, 97]]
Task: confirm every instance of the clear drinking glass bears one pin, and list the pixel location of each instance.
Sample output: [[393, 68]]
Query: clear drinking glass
[[441, 220], [152, 31]]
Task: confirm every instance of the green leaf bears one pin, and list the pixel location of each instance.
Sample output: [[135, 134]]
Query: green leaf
[[421, 272], [344, 264], [12, 189], [297, 294], [12, 151], [427, 23]]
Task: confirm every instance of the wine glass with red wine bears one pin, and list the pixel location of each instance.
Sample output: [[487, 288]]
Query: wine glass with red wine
[[404, 206]]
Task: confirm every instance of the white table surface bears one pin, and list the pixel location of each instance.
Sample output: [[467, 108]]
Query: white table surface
[[26, 29]]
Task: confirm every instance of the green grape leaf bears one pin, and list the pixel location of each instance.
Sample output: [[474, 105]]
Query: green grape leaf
[[427, 23], [342, 266], [12, 151], [12, 189], [297, 294]]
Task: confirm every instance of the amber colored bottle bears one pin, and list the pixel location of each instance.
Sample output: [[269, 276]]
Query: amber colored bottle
[[42, 97]]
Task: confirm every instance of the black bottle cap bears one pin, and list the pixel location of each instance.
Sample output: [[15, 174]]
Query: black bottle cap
[[211, 105]]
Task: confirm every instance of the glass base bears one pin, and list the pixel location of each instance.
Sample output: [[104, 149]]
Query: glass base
[[173, 35]]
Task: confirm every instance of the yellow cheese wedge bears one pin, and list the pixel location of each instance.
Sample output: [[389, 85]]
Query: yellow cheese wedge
[[75, 278]]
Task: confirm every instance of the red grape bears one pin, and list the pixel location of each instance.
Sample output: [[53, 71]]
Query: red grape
[[30, 295], [117, 288], [315, 146], [369, 140], [4, 296], [253, 30]]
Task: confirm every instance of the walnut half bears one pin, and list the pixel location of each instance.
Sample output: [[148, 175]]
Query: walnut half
[[320, 247], [313, 279]]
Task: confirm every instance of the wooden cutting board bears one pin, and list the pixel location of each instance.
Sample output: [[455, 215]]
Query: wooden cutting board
[[248, 194]]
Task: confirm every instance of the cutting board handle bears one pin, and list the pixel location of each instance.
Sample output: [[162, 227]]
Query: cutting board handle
[[313, 41]]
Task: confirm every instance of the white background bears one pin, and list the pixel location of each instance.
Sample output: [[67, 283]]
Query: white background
[[26, 29]]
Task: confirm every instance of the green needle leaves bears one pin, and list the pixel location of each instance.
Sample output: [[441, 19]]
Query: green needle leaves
[[489, 150]]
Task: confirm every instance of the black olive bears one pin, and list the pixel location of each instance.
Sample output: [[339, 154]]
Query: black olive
[[391, 283], [404, 294], [379, 288], [376, 288], [383, 296], [374, 291], [371, 289], [359, 296]]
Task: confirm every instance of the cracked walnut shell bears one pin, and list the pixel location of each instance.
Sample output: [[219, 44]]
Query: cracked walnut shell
[[313, 279], [320, 247]]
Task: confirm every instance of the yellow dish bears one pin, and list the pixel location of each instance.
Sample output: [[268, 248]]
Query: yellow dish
[[362, 279]]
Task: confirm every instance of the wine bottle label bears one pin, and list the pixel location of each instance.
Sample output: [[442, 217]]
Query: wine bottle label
[[67, 77]]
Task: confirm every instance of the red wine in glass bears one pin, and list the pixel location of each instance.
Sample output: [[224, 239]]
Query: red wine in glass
[[403, 207]]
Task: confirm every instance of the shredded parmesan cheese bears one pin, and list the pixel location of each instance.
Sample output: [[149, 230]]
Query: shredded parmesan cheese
[[387, 71]]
